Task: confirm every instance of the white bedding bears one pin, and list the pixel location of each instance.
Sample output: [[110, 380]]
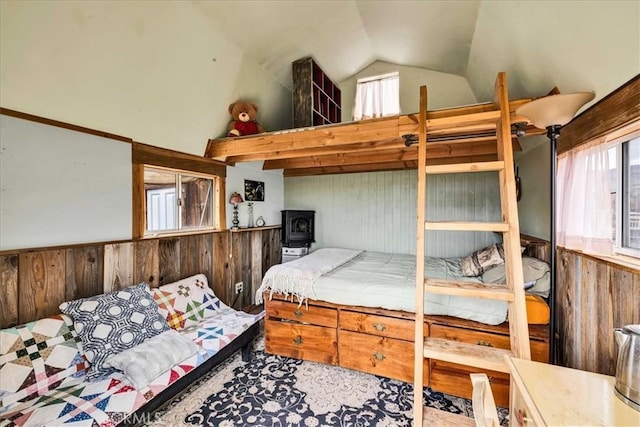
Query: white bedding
[[376, 279]]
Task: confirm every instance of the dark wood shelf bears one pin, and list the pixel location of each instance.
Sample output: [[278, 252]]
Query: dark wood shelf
[[316, 99]]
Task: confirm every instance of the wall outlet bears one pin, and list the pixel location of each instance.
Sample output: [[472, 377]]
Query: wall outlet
[[239, 287]]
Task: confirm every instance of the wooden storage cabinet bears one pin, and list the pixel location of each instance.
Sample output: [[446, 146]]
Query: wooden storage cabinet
[[316, 99], [454, 379], [380, 342], [376, 355], [300, 341], [379, 345], [301, 331]]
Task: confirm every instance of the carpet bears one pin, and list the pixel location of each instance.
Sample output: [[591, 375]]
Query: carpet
[[278, 391]]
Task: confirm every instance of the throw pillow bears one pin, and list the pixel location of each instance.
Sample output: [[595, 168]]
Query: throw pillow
[[535, 272], [113, 322], [37, 357], [186, 302], [145, 362], [481, 260]]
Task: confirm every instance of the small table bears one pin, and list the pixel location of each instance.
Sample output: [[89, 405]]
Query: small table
[[549, 395]]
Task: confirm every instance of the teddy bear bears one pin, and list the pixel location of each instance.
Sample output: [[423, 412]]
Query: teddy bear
[[244, 119]]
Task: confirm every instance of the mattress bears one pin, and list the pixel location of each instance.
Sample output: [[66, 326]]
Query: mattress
[[385, 280]]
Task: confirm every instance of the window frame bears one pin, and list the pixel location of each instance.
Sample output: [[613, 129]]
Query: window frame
[[179, 207], [144, 155], [616, 140], [377, 78]]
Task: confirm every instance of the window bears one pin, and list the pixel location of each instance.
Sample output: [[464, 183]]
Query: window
[[177, 201], [377, 96], [624, 174]]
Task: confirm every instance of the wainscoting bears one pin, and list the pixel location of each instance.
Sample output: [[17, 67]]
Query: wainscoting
[[593, 297], [34, 282]]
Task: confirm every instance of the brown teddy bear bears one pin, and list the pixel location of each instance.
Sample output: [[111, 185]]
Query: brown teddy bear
[[244, 119]]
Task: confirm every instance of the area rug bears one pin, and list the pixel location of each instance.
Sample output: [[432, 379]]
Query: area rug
[[278, 391]]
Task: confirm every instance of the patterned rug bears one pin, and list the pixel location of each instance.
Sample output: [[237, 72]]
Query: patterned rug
[[278, 391]]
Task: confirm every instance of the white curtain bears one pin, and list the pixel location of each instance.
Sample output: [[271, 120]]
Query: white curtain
[[377, 98], [583, 210]]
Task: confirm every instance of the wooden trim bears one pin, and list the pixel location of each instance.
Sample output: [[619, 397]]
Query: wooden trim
[[139, 218], [612, 112], [610, 261], [220, 214], [156, 156], [56, 123]]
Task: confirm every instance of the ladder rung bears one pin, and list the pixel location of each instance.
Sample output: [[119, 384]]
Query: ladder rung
[[500, 227], [474, 355], [493, 291], [466, 167]]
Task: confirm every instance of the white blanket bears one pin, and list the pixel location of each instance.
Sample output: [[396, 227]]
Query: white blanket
[[296, 278]]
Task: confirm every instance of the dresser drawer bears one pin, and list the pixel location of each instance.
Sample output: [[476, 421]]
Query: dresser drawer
[[387, 357], [454, 379], [300, 341], [313, 315], [402, 329], [539, 349]]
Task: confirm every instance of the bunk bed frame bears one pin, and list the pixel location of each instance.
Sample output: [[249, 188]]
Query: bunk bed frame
[[381, 341]]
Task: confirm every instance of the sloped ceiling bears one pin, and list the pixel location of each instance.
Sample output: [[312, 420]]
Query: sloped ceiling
[[574, 45]]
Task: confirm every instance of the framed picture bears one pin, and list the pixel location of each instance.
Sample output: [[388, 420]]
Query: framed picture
[[253, 191]]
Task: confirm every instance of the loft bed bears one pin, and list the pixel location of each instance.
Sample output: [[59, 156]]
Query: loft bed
[[456, 135], [377, 340]]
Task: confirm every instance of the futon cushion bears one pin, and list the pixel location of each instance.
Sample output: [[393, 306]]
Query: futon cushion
[[481, 260], [145, 362], [37, 357], [186, 302], [113, 322]]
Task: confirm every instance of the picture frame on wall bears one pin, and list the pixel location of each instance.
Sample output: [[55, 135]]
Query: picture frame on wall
[[253, 191]]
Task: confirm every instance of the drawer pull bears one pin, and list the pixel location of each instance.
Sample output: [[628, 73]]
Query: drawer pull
[[298, 340], [379, 356], [484, 343], [379, 327], [298, 313]]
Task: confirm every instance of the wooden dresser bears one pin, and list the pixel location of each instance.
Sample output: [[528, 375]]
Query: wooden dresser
[[380, 342]]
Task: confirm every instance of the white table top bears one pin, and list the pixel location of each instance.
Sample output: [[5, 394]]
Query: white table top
[[564, 396]]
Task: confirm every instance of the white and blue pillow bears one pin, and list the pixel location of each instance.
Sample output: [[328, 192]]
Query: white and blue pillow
[[113, 322]]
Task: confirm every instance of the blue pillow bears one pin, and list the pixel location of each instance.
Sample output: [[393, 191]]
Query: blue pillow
[[113, 322]]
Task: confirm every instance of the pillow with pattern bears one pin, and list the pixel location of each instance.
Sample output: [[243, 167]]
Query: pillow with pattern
[[113, 322], [186, 302], [481, 260]]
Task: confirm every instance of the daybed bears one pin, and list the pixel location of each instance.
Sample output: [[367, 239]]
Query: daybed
[[355, 309], [46, 377]]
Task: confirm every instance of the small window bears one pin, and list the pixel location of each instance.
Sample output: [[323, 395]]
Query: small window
[[624, 166], [377, 96], [177, 201]]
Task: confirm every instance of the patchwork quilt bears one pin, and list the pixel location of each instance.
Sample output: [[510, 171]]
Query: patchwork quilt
[[43, 371]]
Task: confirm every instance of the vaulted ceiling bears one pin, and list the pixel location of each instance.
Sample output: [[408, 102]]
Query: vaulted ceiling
[[574, 45]]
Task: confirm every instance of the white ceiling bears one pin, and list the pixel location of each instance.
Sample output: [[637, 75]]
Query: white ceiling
[[571, 44]]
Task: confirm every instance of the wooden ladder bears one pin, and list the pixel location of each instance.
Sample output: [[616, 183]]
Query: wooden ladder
[[472, 355]]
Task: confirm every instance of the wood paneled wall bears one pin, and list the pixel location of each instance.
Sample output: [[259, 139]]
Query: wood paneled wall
[[33, 283], [593, 297]]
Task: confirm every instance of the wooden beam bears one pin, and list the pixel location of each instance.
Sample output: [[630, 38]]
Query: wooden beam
[[612, 112], [156, 156], [343, 137], [396, 143], [385, 166], [434, 151]]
